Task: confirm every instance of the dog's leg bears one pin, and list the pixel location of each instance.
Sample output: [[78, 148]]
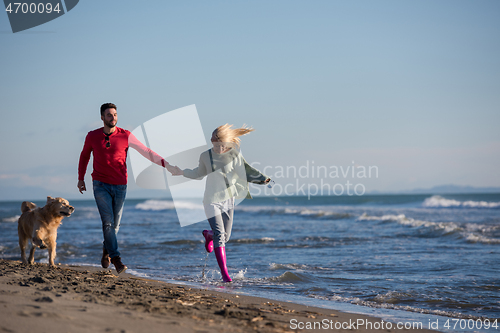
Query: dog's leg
[[31, 259], [51, 245], [38, 237], [23, 241]]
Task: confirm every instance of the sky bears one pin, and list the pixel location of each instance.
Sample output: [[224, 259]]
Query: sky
[[409, 88]]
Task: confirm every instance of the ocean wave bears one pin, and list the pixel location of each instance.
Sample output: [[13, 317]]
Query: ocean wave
[[273, 266], [381, 303], [393, 297], [262, 240], [437, 201], [11, 219], [469, 231], [158, 205], [289, 277], [182, 241], [137, 273], [297, 211], [85, 208]]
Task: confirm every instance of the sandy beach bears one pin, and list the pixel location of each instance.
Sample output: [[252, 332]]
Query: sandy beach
[[39, 298]]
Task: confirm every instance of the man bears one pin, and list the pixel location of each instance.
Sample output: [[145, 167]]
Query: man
[[110, 144]]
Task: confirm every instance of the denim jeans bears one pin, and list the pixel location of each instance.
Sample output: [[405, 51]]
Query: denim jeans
[[110, 199], [220, 216]]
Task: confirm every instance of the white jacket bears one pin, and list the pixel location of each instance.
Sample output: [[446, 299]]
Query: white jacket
[[227, 174]]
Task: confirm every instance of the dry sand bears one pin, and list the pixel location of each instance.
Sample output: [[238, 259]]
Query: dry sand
[[63, 299]]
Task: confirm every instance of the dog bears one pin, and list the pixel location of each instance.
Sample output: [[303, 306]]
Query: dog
[[40, 226]]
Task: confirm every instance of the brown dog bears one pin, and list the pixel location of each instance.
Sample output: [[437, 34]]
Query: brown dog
[[40, 226]]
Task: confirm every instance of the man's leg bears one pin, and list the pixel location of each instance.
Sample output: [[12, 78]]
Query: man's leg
[[119, 193], [104, 200]]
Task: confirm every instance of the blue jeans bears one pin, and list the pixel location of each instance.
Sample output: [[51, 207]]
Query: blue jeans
[[110, 199], [220, 216]]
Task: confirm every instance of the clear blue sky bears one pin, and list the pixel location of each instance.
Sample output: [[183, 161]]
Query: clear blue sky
[[412, 87]]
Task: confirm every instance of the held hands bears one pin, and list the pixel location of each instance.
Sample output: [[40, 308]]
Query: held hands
[[178, 172], [174, 170]]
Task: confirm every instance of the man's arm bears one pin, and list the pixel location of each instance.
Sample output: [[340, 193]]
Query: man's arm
[[82, 164], [146, 152]]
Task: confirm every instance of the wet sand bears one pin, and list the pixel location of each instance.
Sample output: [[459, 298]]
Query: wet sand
[[39, 298]]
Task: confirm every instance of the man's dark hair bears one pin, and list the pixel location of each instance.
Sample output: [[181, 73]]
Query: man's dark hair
[[107, 106]]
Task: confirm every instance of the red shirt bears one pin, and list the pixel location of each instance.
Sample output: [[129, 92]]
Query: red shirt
[[110, 164]]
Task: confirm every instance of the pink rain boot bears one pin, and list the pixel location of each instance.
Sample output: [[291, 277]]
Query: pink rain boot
[[220, 254], [209, 240]]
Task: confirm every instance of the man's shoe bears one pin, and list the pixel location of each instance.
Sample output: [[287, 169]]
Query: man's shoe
[[105, 260], [117, 261]]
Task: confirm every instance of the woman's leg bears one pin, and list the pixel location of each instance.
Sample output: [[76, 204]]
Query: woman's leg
[[227, 218], [220, 254], [218, 229], [209, 240], [220, 217], [218, 224]]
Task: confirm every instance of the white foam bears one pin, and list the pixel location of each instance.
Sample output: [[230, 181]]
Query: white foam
[[474, 238], [299, 211], [469, 231], [437, 201], [136, 273], [274, 266], [366, 217], [255, 240], [11, 219], [297, 267], [392, 297], [240, 275], [383, 302], [157, 205]]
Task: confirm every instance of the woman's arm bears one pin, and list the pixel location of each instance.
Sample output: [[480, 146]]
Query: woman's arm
[[255, 176], [197, 173]]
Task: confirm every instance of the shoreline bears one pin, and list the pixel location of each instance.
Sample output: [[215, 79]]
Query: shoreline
[[71, 298]]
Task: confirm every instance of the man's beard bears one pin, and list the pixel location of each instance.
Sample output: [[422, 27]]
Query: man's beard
[[109, 124]]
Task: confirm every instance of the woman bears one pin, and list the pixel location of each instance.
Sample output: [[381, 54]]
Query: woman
[[228, 175]]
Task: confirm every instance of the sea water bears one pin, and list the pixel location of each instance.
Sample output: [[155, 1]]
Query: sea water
[[395, 256]]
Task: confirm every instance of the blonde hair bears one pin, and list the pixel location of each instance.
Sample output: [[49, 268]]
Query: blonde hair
[[225, 133]]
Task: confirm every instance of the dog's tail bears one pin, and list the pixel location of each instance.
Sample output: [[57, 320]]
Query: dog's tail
[[26, 206]]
